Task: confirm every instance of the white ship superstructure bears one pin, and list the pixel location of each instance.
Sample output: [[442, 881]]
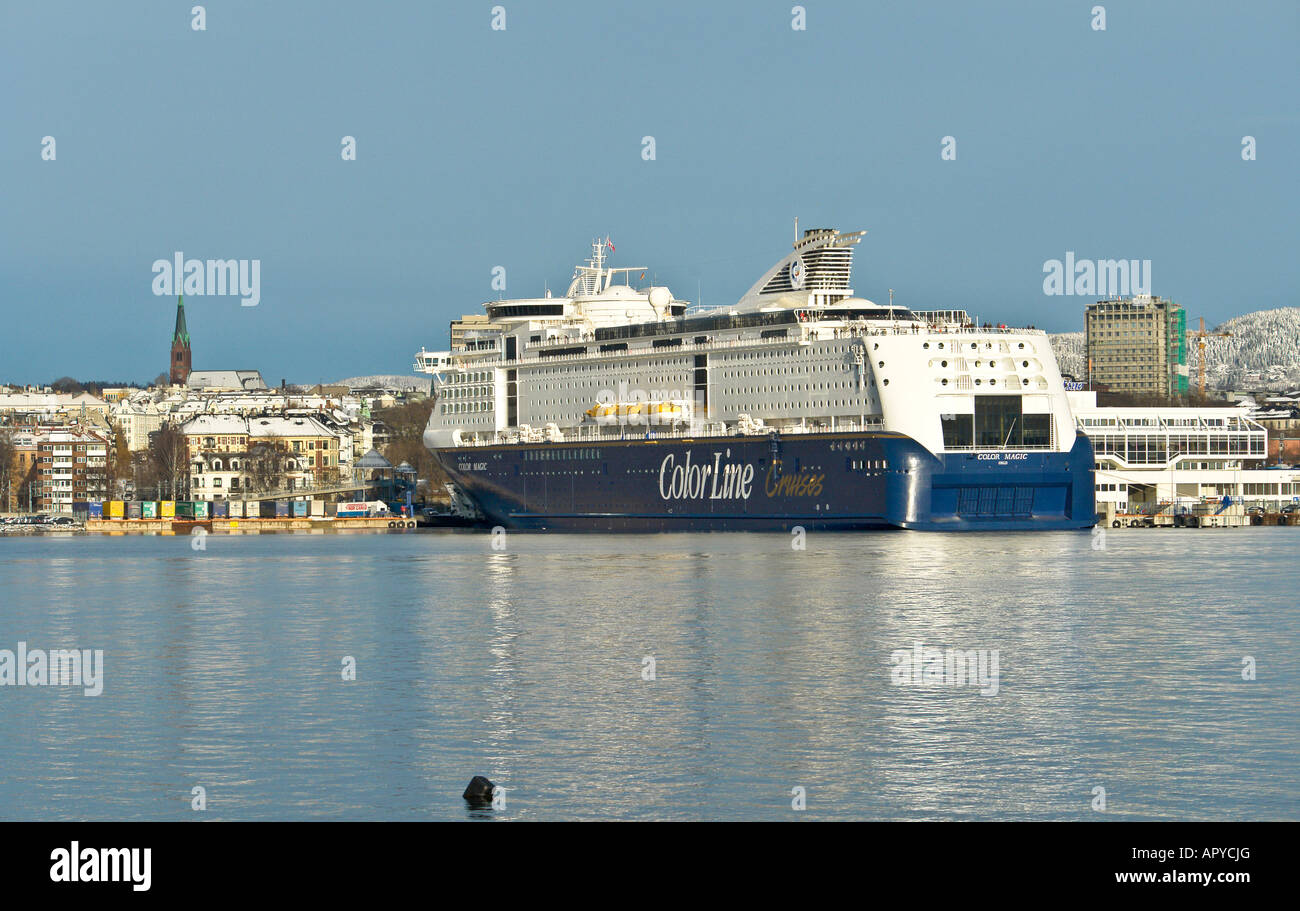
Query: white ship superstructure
[[798, 353]]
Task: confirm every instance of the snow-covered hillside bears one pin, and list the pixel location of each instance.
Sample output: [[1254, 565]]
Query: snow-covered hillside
[[386, 381], [1263, 351]]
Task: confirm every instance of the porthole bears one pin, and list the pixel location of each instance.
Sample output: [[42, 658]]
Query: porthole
[[977, 363], [993, 382], [925, 345], [941, 346], [945, 382], [880, 364], [973, 346], [1024, 382], [943, 363], [1025, 363], [977, 382], [886, 382]]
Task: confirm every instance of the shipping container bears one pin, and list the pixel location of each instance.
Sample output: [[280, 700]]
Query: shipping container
[[133, 510], [116, 509], [96, 510], [192, 509], [300, 508], [282, 509], [318, 508], [220, 510], [353, 509], [236, 509], [149, 509], [167, 509], [266, 509]]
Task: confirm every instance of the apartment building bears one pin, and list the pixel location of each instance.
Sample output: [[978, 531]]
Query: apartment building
[[1137, 345], [71, 467], [136, 421], [229, 454]]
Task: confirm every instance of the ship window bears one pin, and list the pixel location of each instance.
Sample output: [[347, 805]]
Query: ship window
[[958, 430], [998, 421], [1037, 430]]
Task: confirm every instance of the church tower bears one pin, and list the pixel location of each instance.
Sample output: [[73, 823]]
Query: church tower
[[180, 367]]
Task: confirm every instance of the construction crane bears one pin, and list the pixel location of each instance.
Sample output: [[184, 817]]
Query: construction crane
[[1201, 335]]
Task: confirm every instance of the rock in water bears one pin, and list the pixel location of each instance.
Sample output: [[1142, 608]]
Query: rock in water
[[479, 790]]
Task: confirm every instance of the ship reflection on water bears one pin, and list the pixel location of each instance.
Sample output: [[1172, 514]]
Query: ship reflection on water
[[771, 671]]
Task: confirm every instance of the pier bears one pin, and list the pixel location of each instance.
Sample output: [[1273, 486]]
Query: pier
[[314, 524], [1208, 515]]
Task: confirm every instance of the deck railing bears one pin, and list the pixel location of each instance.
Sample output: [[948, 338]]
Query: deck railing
[[597, 434]]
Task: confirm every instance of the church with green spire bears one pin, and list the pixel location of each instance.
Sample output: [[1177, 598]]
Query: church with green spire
[[180, 360]]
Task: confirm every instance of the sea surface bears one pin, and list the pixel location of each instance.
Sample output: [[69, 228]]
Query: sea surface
[[1120, 667]]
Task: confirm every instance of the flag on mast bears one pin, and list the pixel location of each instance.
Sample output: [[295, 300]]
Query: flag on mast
[[609, 243]]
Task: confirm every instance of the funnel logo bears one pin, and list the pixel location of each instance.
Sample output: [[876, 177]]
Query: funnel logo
[[797, 273]]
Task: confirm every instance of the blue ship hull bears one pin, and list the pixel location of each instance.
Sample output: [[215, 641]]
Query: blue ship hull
[[869, 480]]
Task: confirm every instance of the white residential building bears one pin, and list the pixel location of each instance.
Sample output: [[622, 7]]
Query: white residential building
[[136, 422]]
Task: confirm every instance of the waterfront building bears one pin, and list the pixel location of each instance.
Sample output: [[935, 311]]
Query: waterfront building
[[71, 467], [1149, 456], [227, 452], [1137, 345]]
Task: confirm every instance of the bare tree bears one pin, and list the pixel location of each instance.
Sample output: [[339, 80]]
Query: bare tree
[[406, 443], [9, 478], [170, 461], [144, 475], [264, 466]]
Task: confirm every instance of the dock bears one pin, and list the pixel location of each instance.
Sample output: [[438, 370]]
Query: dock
[[313, 524], [1233, 516]]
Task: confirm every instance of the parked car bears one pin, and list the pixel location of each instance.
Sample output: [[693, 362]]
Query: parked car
[[63, 522]]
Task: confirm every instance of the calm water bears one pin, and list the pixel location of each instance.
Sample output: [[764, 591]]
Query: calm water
[[1119, 668]]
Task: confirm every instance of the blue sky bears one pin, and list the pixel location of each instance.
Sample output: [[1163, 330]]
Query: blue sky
[[478, 148]]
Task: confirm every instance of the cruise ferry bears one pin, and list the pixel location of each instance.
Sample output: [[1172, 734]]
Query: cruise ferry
[[619, 407]]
